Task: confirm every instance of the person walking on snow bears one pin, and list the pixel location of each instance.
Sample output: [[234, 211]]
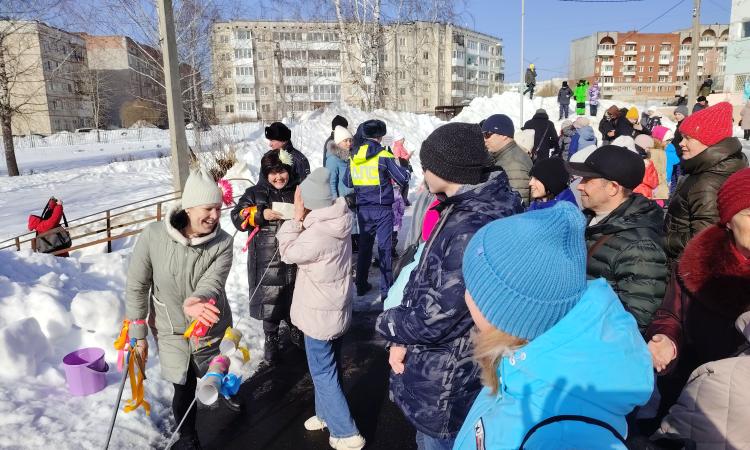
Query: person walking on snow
[[530, 80], [337, 121], [433, 378], [317, 241], [594, 94], [280, 137], [563, 98], [498, 135], [178, 266], [538, 327], [269, 278], [371, 172], [581, 90]]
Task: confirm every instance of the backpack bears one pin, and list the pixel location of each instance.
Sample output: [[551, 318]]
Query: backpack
[[55, 239]]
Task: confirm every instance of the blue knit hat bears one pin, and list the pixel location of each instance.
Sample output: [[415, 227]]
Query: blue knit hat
[[525, 272]]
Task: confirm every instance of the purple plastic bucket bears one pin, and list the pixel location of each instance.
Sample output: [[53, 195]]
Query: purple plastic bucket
[[85, 371]]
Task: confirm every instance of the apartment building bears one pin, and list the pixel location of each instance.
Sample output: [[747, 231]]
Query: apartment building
[[738, 49], [127, 72], [266, 70], [48, 69], [648, 65]]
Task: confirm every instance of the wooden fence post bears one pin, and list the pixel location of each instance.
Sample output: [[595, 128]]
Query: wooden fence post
[[109, 233], [18, 244], [158, 212]]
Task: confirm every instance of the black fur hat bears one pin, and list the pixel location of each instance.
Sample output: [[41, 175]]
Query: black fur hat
[[374, 129], [277, 131]]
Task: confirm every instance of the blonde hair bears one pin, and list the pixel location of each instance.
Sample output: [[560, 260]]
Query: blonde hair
[[489, 347]]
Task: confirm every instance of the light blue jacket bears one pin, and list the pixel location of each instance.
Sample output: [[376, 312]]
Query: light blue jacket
[[672, 159], [593, 363], [336, 162]]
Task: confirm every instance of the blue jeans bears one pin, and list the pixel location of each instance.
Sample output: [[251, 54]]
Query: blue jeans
[[425, 442], [330, 403]]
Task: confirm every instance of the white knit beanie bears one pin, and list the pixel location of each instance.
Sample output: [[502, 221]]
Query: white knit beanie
[[316, 189], [340, 133], [200, 189]]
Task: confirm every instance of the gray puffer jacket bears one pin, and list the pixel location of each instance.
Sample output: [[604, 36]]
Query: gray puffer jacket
[[165, 269], [516, 163]]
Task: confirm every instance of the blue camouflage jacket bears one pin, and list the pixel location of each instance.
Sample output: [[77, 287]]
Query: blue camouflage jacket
[[388, 168], [441, 379]]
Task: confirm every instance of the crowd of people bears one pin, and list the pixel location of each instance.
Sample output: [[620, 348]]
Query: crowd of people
[[555, 296]]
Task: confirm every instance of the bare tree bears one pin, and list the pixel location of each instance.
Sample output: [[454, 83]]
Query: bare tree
[[98, 86], [22, 76]]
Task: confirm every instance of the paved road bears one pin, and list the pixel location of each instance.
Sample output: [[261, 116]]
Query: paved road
[[277, 400]]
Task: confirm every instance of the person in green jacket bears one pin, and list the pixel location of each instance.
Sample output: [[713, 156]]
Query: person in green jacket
[[581, 91], [625, 234], [178, 271]]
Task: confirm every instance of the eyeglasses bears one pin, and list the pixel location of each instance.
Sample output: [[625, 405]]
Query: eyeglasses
[[487, 134]]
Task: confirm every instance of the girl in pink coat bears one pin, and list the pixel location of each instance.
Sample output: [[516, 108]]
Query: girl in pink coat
[[318, 242]]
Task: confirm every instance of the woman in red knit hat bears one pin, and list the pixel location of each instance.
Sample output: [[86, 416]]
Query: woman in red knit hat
[[709, 156], [708, 291]]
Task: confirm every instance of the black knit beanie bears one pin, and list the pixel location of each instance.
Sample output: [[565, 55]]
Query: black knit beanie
[[553, 174], [455, 152], [339, 121], [277, 131]]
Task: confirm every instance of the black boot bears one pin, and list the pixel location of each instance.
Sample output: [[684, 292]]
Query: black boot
[[271, 348]]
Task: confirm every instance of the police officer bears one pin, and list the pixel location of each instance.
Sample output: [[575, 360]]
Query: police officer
[[371, 171]]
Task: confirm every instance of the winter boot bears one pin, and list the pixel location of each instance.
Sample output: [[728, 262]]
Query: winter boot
[[271, 348], [355, 442], [296, 337], [314, 423]]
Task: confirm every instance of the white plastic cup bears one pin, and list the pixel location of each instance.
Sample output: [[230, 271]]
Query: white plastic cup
[[230, 341], [208, 388]]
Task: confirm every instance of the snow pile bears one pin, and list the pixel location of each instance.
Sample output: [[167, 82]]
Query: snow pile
[[24, 346], [87, 307]]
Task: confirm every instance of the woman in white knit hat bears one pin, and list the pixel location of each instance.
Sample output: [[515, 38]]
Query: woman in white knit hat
[[337, 159], [180, 267]]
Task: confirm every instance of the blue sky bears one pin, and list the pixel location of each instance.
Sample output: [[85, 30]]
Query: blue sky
[[552, 24]]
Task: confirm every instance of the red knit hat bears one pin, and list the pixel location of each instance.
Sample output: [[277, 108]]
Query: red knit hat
[[710, 125], [734, 195]]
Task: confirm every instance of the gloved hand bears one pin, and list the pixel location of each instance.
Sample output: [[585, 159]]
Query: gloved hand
[[351, 200]]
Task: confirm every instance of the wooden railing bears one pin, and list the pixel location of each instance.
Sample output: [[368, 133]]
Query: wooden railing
[[100, 227]]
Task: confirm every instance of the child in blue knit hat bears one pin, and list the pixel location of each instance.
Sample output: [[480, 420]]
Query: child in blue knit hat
[[549, 346]]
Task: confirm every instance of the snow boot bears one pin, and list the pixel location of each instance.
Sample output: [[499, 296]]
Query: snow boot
[[271, 348], [355, 442], [296, 337], [314, 423]]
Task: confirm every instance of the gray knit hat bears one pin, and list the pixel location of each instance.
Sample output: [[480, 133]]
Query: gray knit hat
[[200, 189], [316, 189], [682, 109]]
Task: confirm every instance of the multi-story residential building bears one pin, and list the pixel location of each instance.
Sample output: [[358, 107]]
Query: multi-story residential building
[[127, 71], [47, 67], [267, 70], [652, 65], [738, 48]]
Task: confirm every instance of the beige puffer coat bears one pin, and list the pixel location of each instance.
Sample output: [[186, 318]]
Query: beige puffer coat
[[165, 269], [714, 408], [322, 249]]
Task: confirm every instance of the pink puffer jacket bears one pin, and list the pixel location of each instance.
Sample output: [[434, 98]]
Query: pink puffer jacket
[[321, 247]]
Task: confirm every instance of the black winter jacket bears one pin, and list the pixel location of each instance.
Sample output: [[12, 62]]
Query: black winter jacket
[[545, 136], [692, 207], [631, 256], [274, 296], [563, 95]]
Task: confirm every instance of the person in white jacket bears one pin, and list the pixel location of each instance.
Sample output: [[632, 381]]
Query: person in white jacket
[[318, 241]]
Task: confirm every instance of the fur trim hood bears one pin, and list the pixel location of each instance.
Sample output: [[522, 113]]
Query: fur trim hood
[[337, 151], [712, 270]]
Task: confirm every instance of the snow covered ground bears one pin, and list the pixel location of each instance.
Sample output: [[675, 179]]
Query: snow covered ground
[[51, 306]]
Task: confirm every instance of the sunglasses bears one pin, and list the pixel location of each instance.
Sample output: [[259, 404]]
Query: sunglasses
[[487, 134]]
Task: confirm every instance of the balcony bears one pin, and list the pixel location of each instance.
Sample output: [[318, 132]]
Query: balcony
[[458, 62], [323, 46], [711, 43], [721, 44], [665, 61], [630, 52], [607, 72], [629, 63], [667, 53], [628, 73], [456, 77], [665, 72], [326, 97], [325, 63], [605, 52], [457, 93]]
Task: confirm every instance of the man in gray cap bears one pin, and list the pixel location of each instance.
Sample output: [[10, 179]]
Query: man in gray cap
[[498, 134]]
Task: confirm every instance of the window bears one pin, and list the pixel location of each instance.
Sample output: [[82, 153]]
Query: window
[[402, 74], [643, 58], [425, 71], [402, 41], [241, 34], [264, 73], [651, 59], [650, 68], [402, 91], [643, 48], [224, 38], [226, 74], [227, 91], [425, 103], [243, 71], [264, 91], [402, 58], [229, 108], [746, 29], [425, 55], [650, 79], [295, 72], [265, 108], [241, 53], [246, 106], [245, 90]]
